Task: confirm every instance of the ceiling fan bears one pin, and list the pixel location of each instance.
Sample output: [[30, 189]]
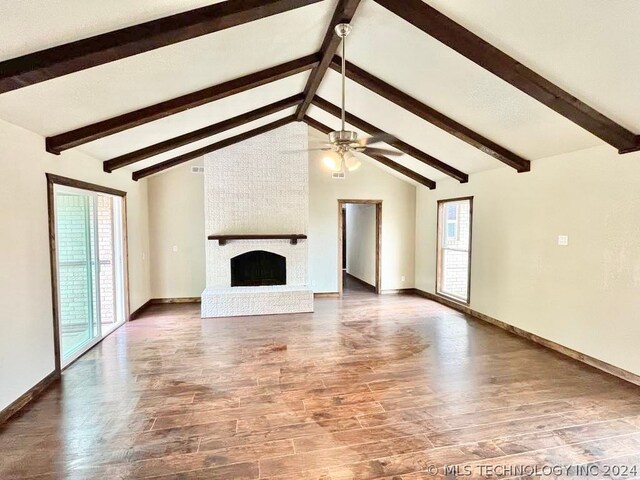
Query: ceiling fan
[[345, 142]]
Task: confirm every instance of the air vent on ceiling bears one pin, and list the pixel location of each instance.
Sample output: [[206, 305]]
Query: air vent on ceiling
[[197, 169], [338, 175]]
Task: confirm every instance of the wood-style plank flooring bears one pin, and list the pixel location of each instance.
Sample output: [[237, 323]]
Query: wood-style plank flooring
[[388, 387]]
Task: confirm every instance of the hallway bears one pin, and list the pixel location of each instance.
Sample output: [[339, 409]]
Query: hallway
[[352, 287]]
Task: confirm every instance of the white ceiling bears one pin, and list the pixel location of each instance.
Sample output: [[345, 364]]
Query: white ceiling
[[131, 83], [195, 118], [388, 117], [32, 25], [400, 54], [213, 139], [588, 47]]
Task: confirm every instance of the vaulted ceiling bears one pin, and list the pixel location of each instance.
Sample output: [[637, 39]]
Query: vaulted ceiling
[[548, 77]]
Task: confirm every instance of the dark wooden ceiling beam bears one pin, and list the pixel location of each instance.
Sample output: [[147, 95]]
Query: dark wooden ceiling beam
[[468, 44], [344, 12], [399, 144], [432, 116], [633, 148], [200, 134], [90, 52], [145, 172], [79, 136], [378, 158]]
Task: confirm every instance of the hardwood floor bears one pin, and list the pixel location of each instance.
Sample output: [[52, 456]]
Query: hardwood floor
[[386, 387], [351, 286]]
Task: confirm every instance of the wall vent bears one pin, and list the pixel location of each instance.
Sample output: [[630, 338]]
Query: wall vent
[[197, 169], [338, 175]]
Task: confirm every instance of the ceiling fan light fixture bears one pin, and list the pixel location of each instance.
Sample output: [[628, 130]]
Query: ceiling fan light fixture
[[331, 163], [353, 164]]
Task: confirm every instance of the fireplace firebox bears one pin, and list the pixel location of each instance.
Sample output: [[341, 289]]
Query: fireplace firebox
[[258, 268]]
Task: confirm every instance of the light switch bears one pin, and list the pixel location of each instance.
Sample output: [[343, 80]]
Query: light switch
[[175, 248], [563, 240]]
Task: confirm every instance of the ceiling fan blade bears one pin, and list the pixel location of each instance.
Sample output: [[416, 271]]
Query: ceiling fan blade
[[379, 151], [377, 138], [309, 150]]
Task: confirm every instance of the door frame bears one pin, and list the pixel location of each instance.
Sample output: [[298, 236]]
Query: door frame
[[52, 181], [378, 263]]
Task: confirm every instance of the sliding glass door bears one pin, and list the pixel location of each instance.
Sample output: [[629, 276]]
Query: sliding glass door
[[90, 268]]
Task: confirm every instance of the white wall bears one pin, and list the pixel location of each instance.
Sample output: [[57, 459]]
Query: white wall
[[26, 325], [585, 296], [398, 221], [361, 241], [176, 218]]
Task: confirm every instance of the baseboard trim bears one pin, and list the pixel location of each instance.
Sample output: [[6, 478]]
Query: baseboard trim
[[156, 301], [366, 285], [398, 291], [550, 344], [29, 396], [159, 301], [139, 311], [391, 291]]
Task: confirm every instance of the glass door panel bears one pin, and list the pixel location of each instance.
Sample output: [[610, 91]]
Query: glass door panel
[[90, 260], [110, 254], [77, 282]]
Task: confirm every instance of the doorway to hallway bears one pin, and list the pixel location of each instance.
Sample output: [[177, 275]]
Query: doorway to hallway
[[359, 259]]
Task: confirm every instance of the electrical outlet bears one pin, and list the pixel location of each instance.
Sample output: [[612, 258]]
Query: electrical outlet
[[402, 278], [563, 240], [175, 248]]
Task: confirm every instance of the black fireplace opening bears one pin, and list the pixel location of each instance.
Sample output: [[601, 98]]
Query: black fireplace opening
[[258, 268]]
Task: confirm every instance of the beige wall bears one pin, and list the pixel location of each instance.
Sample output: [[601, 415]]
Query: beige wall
[[361, 241], [26, 324], [176, 219], [585, 296], [398, 221]]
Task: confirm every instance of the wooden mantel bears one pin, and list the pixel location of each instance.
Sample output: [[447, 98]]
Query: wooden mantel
[[293, 238]]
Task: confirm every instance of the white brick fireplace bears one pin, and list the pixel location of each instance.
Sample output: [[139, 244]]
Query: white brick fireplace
[[258, 187]]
